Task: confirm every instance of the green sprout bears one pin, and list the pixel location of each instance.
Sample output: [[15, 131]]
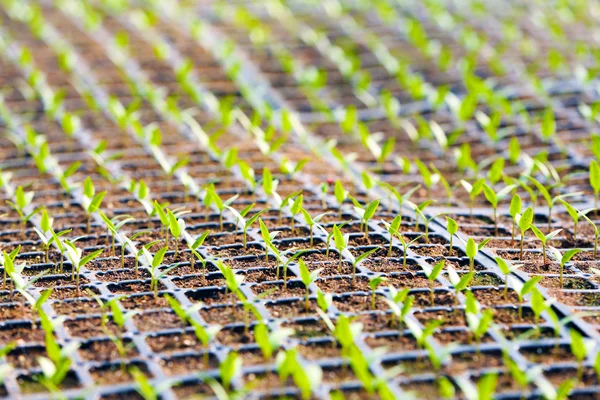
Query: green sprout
[[563, 259]]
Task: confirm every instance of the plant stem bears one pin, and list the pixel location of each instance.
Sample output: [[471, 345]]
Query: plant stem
[[561, 274], [450, 250], [495, 221], [340, 263], [373, 299], [306, 304], [544, 251], [431, 298], [522, 240]]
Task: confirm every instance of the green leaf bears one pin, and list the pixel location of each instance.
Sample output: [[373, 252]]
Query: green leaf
[[568, 255], [370, 210], [96, 201], [595, 176], [515, 205], [471, 248], [158, 257], [365, 255], [526, 220], [514, 150], [548, 127], [90, 257], [88, 188], [530, 285], [452, 226], [173, 224], [486, 386], [340, 193], [267, 179], [464, 282]]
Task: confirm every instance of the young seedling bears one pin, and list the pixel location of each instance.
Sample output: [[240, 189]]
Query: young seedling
[[204, 334], [341, 244], [575, 214], [432, 274], [232, 281], [538, 306], [438, 357], [551, 201], [430, 179], [595, 180], [284, 264], [306, 377], [295, 209], [90, 200], [214, 198], [460, 283], [523, 289], [21, 205], [392, 229], [311, 222], [452, 228], [473, 190], [524, 222], [155, 262], [544, 239], [514, 210], [267, 238], [374, 284], [506, 268], [479, 322], [45, 234], [270, 341], [366, 214], [357, 260], [307, 278], [400, 303], [563, 259], [341, 195], [324, 300], [420, 214], [580, 348], [401, 199], [472, 249], [77, 262], [194, 254], [494, 199], [247, 223], [596, 230]]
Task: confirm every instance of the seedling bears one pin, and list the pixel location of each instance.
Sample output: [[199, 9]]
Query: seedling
[[494, 199], [514, 210], [452, 228], [507, 268], [430, 179], [432, 274], [21, 205], [307, 278], [524, 222], [155, 262], [400, 198], [230, 369], [45, 234], [523, 378], [596, 230], [114, 226], [473, 190], [284, 264], [472, 249], [295, 208], [194, 254], [91, 200], [575, 214], [324, 300], [341, 243], [146, 389], [232, 281], [419, 211], [356, 261], [267, 238], [400, 303], [595, 180], [270, 341], [460, 283], [479, 322], [523, 289], [75, 255], [405, 246], [563, 259], [580, 348], [310, 221], [374, 284], [306, 377], [204, 334], [212, 197], [366, 214], [340, 195], [544, 238], [437, 356]]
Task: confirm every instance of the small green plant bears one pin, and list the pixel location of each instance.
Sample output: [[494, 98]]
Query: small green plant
[[524, 222], [212, 197], [285, 263], [478, 322], [341, 195], [452, 228], [523, 289], [155, 262], [494, 199], [580, 348], [563, 259], [472, 249], [195, 255], [78, 261], [544, 239], [595, 180], [91, 200], [432, 275], [311, 222], [473, 190], [307, 278], [596, 231], [270, 341], [341, 244], [514, 210], [460, 284], [400, 303], [230, 369], [507, 268], [374, 284], [366, 214], [357, 260], [146, 389], [21, 205], [575, 214]]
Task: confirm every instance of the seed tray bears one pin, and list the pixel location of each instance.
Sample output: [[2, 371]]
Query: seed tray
[[253, 76]]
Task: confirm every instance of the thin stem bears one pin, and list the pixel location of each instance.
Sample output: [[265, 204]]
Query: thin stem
[[522, 240]]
